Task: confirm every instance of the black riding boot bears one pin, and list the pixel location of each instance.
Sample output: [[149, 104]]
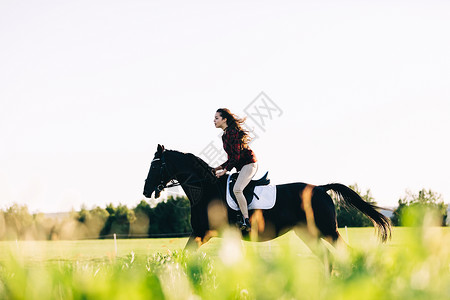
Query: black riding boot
[[244, 224], [247, 225]]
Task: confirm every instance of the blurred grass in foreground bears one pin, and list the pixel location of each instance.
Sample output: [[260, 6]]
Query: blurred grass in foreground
[[414, 265]]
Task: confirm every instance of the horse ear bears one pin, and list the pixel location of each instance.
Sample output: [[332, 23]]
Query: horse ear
[[160, 148]]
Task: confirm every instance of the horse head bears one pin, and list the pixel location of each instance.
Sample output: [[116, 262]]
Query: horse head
[[187, 169], [157, 177]]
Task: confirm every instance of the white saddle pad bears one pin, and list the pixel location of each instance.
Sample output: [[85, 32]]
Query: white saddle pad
[[266, 193]]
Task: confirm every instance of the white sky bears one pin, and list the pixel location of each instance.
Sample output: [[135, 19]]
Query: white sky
[[89, 88]]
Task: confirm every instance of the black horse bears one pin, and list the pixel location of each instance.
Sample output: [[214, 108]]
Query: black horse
[[306, 208]]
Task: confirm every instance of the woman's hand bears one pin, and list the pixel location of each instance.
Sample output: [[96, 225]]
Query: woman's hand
[[221, 173]]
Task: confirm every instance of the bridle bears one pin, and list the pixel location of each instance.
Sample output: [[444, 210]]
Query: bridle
[[163, 185]]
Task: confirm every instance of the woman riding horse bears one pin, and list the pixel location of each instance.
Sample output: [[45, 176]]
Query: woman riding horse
[[240, 156], [298, 205]]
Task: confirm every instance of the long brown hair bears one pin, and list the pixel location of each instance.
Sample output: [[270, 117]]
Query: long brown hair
[[233, 121]]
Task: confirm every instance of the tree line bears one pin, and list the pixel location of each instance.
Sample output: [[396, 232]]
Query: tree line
[[167, 218], [412, 210], [172, 218]]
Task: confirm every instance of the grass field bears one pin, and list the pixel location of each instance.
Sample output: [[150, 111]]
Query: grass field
[[415, 264]]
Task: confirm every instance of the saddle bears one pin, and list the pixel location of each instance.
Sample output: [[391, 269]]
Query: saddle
[[249, 190]]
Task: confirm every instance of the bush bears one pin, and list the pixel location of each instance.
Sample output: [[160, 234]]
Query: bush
[[413, 209]]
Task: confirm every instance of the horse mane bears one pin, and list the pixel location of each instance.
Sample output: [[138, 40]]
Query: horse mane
[[197, 162]]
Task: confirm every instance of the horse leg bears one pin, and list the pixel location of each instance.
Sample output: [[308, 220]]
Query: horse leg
[[319, 248], [311, 233], [325, 219], [311, 240], [192, 244], [336, 241], [321, 222]]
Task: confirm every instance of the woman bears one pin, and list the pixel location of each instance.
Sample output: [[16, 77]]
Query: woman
[[240, 156]]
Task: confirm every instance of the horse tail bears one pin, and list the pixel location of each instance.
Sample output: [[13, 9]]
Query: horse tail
[[347, 196]]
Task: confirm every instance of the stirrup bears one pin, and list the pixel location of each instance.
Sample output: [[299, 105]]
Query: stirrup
[[244, 225]]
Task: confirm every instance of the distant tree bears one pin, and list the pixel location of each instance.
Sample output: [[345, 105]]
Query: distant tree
[[143, 207], [143, 212], [42, 226], [349, 216], [99, 213], [119, 220], [413, 208], [171, 216], [18, 221], [83, 215], [2, 225], [94, 221]]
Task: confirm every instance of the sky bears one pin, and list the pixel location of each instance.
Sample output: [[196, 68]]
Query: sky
[[346, 91]]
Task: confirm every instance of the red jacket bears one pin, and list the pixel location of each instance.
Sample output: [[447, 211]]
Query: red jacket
[[237, 155]]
